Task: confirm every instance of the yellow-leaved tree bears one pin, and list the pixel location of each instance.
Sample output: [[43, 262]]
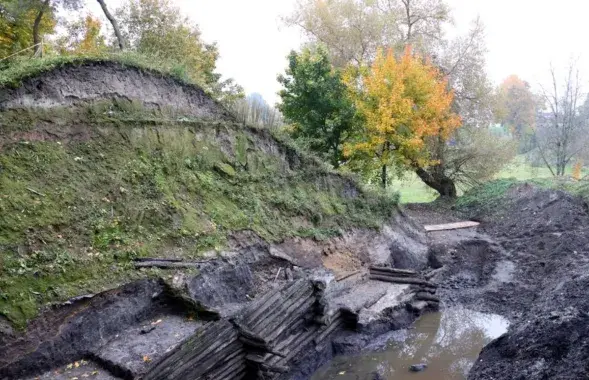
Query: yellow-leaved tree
[[404, 102]]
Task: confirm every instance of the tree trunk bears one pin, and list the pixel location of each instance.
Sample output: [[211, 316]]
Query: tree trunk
[[383, 176], [38, 49], [114, 24], [438, 181]]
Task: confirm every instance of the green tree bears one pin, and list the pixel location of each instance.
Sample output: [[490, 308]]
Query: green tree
[[405, 103], [315, 102], [17, 21], [157, 28], [82, 36], [515, 108], [353, 30]]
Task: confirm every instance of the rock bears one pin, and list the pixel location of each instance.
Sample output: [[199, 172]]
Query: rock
[[417, 306], [417, 367], [554, 315], [146, 329], [379, 373]]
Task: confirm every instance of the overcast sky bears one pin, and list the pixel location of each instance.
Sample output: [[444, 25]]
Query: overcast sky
[[523, 36]]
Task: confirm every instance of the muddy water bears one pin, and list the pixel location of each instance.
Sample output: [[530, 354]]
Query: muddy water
[[448, 342]]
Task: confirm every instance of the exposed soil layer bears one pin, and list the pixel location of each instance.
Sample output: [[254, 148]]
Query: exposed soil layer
[[528, 262], [99, 80]]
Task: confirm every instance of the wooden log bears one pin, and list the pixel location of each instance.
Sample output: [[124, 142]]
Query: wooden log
[[426, 297], [258, 307], [274, 330], [247, 333], [194, 361], [280, 312], [200, 340], [255, 319], [400, 280], [274, 368], [421, 288], [347, 275], [200, 366], [450, 226], [293, 325], [299, 344], [237, 356], [331, 328], [393, 270], [379, 272], [230, 371]]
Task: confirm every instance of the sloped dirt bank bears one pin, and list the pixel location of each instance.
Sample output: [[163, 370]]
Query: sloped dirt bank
[[132, 331]]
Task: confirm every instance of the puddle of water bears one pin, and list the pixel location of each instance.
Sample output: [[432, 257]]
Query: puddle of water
[[448, 342]]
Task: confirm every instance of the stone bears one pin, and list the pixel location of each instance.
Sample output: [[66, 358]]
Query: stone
[[417, 367], [417, 306]]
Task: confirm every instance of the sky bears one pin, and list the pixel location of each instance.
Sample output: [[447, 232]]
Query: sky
[[524, 37]]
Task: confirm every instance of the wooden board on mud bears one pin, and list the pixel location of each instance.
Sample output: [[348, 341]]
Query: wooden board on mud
[[450, 226]]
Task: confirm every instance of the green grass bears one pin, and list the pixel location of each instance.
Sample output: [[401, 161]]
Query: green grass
[[75, 213], [412, 190], [23, 68]]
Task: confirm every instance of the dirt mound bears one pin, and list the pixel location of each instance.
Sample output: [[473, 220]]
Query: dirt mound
[[528, 262], [544, 234]]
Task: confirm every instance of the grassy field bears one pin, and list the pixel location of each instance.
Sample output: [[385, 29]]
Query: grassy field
[[412, 190]]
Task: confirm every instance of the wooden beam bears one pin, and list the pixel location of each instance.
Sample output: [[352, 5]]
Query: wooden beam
[[450, 226]]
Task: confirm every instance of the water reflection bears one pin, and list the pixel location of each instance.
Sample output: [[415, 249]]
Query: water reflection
[[448, 342]]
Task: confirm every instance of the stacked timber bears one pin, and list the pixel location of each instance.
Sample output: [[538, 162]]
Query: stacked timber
[[213, 352], [424, 290], [269, 326]]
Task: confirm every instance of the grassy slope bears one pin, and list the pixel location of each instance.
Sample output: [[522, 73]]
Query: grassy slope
[[23, 68], [75, 213], [490, 195]]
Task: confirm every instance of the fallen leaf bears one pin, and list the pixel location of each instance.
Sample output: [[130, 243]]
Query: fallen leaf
[[70, 366], [146, 358], [342, 373], [76, 364], [156, 322]]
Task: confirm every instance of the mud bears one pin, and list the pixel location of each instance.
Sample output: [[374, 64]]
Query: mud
[[527, 262]]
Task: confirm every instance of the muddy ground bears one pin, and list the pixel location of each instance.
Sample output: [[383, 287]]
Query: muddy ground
[[528, 261]]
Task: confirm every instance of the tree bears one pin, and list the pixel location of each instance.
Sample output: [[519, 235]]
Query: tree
[[82, 37], [43, 7], [515, 107], [114, 24], [353, 30], [562, 129], [315, 101], [156, 28], [473, 154], [254, 110], [17, 19], [405, 103]]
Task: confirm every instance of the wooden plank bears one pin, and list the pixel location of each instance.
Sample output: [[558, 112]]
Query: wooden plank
[[450, 226]]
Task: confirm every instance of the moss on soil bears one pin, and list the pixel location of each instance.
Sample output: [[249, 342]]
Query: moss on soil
[[75, 210]]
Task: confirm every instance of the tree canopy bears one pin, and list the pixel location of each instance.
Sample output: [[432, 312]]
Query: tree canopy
[[404, 102], [315, 101], [515, 108]]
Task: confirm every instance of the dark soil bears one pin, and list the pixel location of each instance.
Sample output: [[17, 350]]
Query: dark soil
[[528, 261]]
